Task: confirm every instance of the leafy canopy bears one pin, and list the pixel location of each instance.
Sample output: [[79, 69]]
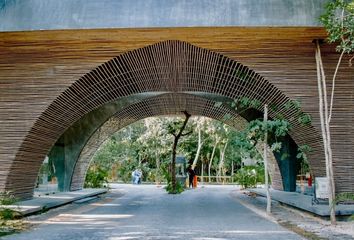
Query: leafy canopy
[[338, 20]]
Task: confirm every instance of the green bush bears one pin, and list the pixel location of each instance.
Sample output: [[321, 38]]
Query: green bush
[[96, 177], [8, 214], [6, 198], [168, 177], [249, 176], [179, 188]]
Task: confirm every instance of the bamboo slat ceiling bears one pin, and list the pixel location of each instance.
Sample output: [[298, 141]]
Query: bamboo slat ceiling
[[42, 93]]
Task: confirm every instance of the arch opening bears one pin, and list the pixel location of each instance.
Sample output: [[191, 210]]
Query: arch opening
[[157, 151]]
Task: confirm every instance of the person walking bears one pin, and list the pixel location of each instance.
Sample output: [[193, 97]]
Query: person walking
[[136, 175], [191, 175]]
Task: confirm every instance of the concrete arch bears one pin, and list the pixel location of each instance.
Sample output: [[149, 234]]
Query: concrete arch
[[170, 66]]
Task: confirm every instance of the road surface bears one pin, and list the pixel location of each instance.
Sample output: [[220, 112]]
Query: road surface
[[148, 212]]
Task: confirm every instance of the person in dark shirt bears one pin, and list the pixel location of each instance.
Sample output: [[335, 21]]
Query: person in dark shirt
[[191, 175]]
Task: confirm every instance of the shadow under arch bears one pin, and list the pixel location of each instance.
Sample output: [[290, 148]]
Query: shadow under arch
[[170, 66]]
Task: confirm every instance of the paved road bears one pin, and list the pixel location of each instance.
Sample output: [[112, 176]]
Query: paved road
[[147, 212]]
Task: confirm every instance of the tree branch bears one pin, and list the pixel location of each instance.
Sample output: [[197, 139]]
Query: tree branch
[[184, 124], [350, 61], [185, 134], [333, 85]]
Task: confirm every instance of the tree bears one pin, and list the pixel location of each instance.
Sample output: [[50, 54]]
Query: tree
[[212, 156], [339, 23], [176, 129], [200, 124], [221, 170], [268, 131]]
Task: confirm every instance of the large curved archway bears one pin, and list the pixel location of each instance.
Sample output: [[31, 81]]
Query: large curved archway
[[170, 66], [165, 104]]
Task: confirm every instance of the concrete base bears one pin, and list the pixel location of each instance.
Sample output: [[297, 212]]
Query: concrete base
[[45, 202], [304, 202]]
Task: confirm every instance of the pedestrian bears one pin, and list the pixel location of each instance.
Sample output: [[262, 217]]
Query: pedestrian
[[135, 176], [191, 175], [139, 175]]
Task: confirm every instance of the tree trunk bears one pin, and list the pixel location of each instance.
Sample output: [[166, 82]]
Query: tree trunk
[[173, 166], [325, 129], [200, 143], [211, 158], [174, 150], [157, 161], [202, 172], [232, 171], [221, 163], [269, 200]]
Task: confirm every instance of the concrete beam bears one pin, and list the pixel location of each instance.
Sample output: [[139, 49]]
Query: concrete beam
[[20, 15]]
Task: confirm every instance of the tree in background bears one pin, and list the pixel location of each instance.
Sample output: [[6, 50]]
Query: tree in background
[[147, 144]]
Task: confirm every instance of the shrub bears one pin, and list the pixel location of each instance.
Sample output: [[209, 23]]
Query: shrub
[[6, 198], [8, 214], [96, 177], [179, 188], [167, 175], [249, 176]]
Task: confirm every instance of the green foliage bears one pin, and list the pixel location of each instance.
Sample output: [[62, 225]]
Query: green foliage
[[293, 105], [245, 146], [146, 145], [218, 104], [249, 176], [175, 125], [6, 198], [245, 102], [241, 75], [304, 119], [96, 177], [275, 128], [8, 214], [256, 129], [179, 188], [338, 20], [303, 150], [126, 167], [344, 197], [167, 174]]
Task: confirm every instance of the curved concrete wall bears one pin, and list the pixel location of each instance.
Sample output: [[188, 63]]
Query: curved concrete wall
[[19, 15]]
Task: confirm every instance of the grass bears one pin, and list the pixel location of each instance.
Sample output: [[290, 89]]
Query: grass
[[10, 221], [300, 231]]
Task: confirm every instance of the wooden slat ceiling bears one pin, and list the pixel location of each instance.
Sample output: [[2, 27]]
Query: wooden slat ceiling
[[46, 84]]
